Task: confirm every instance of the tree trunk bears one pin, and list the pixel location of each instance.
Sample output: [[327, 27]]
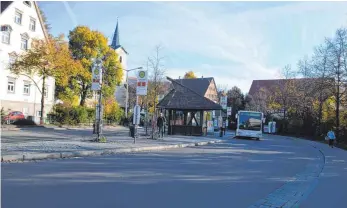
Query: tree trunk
[[83, 95], [338, 113], [43, 99], [320, 115]]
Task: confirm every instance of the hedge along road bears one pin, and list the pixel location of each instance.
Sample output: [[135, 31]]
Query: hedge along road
[[236, 173]]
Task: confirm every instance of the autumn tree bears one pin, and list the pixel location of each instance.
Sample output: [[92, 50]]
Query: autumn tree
[[236, 100], [302, 106], [283, 94], [156, 72], [43, 60], [189, 75], [259, 102], [87, 45], [337, 69], [323, 84]]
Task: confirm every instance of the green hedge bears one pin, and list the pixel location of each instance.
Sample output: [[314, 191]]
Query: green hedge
[[66, 115]]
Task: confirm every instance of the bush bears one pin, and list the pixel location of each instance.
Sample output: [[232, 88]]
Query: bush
[[80, 114], [2, 114], [72, 115], [112, 112]]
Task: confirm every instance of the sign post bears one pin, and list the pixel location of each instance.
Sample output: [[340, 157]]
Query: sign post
[[141, 89], [96, 86]]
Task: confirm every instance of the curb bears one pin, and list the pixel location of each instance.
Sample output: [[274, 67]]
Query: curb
[[85, 153]]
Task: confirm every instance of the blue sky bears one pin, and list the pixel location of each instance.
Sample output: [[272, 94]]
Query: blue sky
[[235, 42]]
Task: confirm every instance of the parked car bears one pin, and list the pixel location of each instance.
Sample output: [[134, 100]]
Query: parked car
[[14, 116]]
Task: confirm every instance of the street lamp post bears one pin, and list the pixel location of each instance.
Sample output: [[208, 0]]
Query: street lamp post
[[127, 94]]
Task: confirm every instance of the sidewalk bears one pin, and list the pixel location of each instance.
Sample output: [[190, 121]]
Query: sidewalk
[[331, 188], [83, 147]]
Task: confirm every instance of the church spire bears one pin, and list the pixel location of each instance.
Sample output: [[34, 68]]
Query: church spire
[[115, 41]]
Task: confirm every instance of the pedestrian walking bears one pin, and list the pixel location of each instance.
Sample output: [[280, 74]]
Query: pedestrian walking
[[224, 127], [331, 138], [160, 124]]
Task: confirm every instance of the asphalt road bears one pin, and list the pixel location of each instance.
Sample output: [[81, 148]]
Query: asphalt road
[[236, 173]]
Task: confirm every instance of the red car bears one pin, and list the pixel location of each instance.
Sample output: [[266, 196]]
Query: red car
[[14, 116]]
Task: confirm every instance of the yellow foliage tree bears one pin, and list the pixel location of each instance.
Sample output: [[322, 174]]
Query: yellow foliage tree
[[46, 59], [86, 45], [190, 75]]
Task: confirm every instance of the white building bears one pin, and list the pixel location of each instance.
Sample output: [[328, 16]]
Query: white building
[[20, 23], [120, 93], [122, 53]]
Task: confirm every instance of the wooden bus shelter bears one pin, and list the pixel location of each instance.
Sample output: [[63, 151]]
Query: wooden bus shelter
[[186, 110]]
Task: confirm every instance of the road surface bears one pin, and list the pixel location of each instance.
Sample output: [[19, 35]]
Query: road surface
[[236, 173]]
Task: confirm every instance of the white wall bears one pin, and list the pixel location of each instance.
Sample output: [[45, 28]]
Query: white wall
[[124, 63], [7, 18]]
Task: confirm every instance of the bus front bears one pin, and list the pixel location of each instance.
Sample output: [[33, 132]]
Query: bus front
[[249, 124]]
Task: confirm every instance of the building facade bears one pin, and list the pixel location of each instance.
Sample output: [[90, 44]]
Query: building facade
[[21, 22]]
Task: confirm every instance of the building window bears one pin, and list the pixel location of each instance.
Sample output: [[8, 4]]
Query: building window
[[46, 91], [11, 59], [26, 89], [24, 44], [120, 59], [10, 85], [32, 25], [24, 41], [38, 113], [18, 17], [6, 34], [27, 3], [5, 37]]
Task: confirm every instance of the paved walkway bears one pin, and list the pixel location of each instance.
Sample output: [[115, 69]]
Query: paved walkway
[[50, 143], [331, 189]]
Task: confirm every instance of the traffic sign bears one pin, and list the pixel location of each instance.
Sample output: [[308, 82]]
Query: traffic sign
[[142, 82], [229, 111], [96, 75], [223, 102]]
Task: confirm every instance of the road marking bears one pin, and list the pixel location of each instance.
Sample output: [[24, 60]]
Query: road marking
[[293, 192]]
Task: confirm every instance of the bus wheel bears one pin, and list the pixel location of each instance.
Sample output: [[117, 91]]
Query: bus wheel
[[258, 139]]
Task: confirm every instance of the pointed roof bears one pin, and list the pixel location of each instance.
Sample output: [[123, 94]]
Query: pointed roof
[[115, 41], [182, 97], [199, 85]]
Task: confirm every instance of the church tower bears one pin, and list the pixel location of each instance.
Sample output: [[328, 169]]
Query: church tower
[[122, 53]]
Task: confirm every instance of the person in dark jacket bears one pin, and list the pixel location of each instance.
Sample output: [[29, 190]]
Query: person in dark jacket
[[160, 125]]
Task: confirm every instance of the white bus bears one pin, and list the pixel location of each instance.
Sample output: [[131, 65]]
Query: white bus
[[249, 124]]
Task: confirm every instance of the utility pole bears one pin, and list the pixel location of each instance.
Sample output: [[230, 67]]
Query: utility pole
[[127, 93], [97, 86], [126, 96]]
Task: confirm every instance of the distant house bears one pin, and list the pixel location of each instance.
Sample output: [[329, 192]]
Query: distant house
[[205, 87], [186, 110], [301, 85]]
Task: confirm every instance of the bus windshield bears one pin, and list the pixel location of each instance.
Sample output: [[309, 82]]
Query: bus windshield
[[250, 121]]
